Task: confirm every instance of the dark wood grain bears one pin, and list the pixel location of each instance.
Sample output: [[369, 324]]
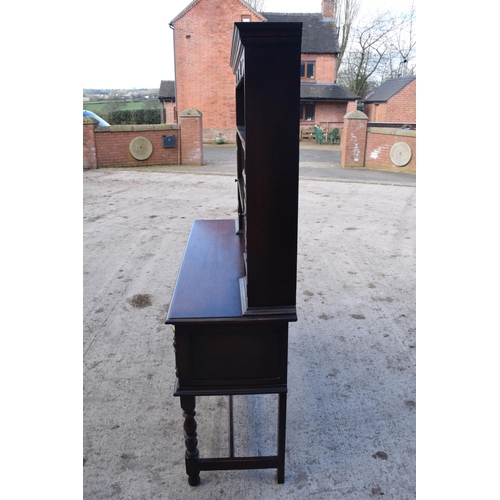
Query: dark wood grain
[[208, 281], [236, 289], [266, 61]]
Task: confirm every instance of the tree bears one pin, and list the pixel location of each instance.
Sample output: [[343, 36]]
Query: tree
[[345, 12], [111, 106], [402, 47], [376, 49], [257, 5]]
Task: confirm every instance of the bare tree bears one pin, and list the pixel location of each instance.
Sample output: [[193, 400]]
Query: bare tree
[[257, 5], [402, 46], [377, 49], [345, 13]]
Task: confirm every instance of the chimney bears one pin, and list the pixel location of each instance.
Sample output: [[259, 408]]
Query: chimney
[[327, 8]]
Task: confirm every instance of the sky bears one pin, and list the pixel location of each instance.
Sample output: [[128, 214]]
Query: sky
[[134, 48]]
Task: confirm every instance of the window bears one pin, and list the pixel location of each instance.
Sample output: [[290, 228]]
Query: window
[[307, 69], [245, 19], [307, 111]]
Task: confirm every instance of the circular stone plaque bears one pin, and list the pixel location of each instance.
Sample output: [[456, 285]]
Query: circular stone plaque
[[400, 154], [140, 148]]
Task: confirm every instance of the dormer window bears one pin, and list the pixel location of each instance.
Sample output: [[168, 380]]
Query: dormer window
[[307, 70]]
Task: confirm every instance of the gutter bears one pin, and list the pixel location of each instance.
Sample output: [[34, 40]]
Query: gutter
[[171, 26]]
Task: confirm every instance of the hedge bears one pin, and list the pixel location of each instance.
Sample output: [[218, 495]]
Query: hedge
[[132, 117]]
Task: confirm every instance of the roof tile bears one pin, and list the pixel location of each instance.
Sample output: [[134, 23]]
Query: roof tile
[[319, 36], [388, 89]]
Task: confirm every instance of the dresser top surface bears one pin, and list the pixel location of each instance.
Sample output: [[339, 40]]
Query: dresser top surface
[[208, 283]]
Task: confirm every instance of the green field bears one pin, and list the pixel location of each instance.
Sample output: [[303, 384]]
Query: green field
[[100, 106]]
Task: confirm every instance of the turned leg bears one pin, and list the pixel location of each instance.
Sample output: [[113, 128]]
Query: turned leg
[[188, 404]]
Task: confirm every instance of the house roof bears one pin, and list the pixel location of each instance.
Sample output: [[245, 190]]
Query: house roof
[[194, 2], [325, 92], [388, 89], [167, 89], [319, 36]]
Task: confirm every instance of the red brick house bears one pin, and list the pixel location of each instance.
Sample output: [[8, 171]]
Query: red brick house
[[394, 101], [204, 80]]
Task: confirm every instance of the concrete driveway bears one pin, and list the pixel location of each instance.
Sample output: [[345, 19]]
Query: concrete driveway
[[309, 152], [315, 161], [351, 401]]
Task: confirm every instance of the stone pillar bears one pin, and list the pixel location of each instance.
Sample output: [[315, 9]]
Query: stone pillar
[[353, 140], [190, 122], [89, 148]]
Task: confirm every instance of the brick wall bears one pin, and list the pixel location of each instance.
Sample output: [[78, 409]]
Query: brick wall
[[110, 146], [89, 147], [324, 68], [370, 147], [205, 81], [400, 108], [228, 134], [353, 139], [169, 110], [379, 142], [191, 125], [329, 114], [351, 106]]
